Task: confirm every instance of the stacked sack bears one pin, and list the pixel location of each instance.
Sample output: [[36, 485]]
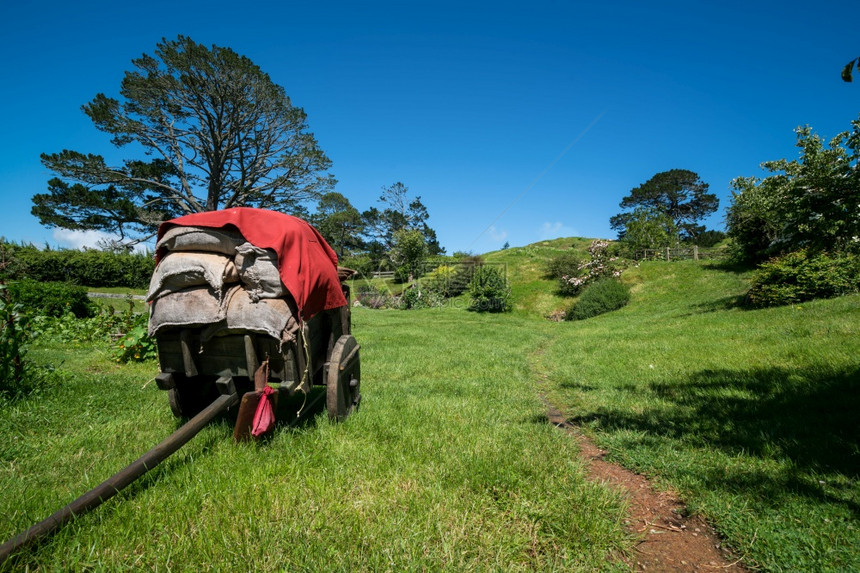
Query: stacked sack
[[214, 280]]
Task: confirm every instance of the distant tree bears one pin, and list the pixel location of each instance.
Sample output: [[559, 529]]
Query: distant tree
[[710, 238], [408, 253], [506, 246], [679, 194], [339, 222], [212, 131], [400, 213], [648, 228], [809, 203]]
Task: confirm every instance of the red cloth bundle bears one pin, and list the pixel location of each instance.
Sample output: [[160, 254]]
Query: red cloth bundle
[[306, 263], [264, 417]]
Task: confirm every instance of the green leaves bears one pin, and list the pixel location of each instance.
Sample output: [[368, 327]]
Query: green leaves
[[846, 71], [811, 202]]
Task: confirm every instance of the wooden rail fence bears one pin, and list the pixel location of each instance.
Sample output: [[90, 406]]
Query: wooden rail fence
[[681, 253]]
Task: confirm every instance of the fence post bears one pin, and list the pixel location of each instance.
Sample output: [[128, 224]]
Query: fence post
[[695, 252], [667, 253]]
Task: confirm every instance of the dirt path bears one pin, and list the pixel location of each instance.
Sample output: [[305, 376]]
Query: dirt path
[[669, 540]]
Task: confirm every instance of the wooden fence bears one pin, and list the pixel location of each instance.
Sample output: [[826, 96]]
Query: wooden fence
[[382, 275], [681, 253]]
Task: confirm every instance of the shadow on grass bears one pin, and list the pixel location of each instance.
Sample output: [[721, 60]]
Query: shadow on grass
[[809, 417], [729, 266], [725, 303]]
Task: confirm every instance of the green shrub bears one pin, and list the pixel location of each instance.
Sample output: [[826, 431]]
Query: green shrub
[[453, 278], [802, 275], [417, 296], [600, 297], [136, 345], [15, 333], [51, 298], [489, 290], [561, 267], [89, 268]]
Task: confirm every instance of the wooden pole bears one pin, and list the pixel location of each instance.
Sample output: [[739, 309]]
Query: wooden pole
[[119, 481]]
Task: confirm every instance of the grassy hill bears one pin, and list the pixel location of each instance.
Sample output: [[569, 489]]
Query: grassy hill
[[450, 463], [533, 293]]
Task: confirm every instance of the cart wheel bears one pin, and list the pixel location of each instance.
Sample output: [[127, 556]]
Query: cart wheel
[[343, 379], [190, 396]]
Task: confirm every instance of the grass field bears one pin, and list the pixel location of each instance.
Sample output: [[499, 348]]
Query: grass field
[[752, 416], [450, 464]]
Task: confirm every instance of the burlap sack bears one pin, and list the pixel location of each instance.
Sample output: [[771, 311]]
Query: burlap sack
[[258, 271], [181, 270], [207, 239], [267, 316], [190, 308]]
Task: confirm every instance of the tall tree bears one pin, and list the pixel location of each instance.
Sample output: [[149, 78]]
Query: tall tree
[[408, 253], [401, 213], [213, 131], [679, 194], [339, 222]]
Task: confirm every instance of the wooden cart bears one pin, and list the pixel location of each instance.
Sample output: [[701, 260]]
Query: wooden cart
[[195, 372]]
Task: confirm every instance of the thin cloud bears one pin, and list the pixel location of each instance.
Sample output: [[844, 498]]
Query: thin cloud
[[87, 239], [498, 235], [555, 230]]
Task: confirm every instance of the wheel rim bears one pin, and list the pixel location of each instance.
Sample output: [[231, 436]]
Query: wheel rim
[[343, 393]]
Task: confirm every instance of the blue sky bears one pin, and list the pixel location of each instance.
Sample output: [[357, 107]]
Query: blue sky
[[513, 121]]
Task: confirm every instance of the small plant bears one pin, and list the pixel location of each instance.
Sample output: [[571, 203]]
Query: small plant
[[489, 290], [136, 345], [417, 296], [603, 296], [803, 275]]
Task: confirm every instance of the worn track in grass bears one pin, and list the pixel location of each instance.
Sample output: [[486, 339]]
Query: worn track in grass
[[669, 539]]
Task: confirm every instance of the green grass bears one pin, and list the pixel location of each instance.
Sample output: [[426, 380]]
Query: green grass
[[450, 464], [119, 304], [752, 416], [445, 467]]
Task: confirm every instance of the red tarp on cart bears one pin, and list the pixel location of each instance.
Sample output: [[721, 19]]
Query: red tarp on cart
[[306, 263]]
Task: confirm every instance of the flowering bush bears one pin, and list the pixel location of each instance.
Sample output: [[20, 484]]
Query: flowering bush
[[601, 265], [566, 264]]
